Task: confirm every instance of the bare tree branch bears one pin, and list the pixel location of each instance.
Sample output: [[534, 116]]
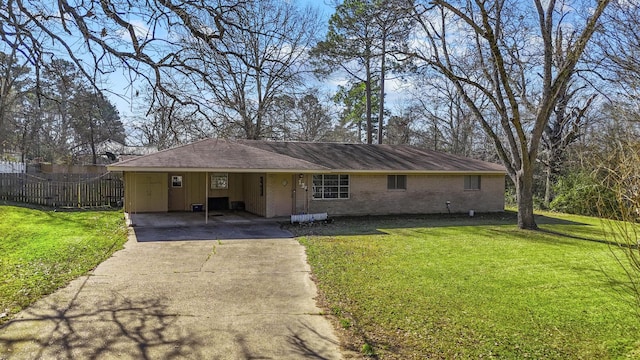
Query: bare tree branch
[[481, 45]]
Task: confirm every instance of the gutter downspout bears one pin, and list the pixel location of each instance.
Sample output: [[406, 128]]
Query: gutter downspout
[[206, 198], [135, 192]]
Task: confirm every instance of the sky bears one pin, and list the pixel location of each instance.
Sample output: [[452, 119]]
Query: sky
[[123, 91], [128, 96]]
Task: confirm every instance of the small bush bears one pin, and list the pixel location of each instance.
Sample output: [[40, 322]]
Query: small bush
[[345, 323], [368, 350]]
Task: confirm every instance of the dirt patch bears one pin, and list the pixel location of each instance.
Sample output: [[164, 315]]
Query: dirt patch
[[351, 341]]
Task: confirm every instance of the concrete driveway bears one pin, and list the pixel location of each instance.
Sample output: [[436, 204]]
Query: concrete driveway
[[195, 298]]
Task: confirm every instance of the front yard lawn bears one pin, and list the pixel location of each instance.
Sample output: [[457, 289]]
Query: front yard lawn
[[41, 251], [444, 287]]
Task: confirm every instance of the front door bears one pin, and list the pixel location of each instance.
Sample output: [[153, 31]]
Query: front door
[[176, 192], [299, 194]]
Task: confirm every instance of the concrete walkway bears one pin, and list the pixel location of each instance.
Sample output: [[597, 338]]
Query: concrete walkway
[[204, 299]]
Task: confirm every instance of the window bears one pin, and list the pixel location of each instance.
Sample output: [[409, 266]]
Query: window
[[396, 182], [472, 182], [219, 181], [176, 181], [330, 186]]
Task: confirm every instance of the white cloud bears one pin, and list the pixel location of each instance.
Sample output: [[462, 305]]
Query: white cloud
[[140, 29]]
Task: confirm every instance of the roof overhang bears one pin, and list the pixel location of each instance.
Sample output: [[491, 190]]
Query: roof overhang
[[254, 156], [116, 168]]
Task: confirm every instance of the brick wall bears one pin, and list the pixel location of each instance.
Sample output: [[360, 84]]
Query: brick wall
[[424, 194]]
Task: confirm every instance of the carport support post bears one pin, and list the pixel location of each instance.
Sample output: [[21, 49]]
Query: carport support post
[[206, 198], [133, 202]]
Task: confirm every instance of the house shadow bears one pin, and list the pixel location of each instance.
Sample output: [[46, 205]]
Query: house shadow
[[192, 226], [215, 231], [110, 327], [376, 225]]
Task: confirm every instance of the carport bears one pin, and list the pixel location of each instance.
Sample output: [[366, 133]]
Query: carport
[[203, 192], [216, 175], [171, 219]]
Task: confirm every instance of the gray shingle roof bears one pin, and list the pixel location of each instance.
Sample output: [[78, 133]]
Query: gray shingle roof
[[255, 155]]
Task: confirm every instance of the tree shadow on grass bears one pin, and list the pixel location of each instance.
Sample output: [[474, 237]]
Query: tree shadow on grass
[[590, 239], [114, 327]]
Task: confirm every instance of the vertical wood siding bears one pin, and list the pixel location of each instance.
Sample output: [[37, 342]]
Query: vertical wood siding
[[63, 190]]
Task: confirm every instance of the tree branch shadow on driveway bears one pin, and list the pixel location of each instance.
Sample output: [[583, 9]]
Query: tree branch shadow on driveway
[[300, 341], [115, 327], [303, 342]]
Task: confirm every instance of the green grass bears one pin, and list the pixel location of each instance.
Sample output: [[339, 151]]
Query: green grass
[[455, 287], [41, 251]]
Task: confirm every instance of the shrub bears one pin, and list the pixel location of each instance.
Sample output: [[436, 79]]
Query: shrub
[[583, 193]]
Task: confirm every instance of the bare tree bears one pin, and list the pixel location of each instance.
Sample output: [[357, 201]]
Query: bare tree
[[620, 44], [400, 130], [505, 51], [14, 85], [301, 118], [167, 123], [247, 70], [447, 123], [564, 128], [100, 37]]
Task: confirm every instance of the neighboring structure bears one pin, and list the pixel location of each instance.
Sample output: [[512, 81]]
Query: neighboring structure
[[12, 167], [45, 168], [274, 179], [110, 151]]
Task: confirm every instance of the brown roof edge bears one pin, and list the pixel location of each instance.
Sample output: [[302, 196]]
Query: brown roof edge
[[251, 156], [115, 168]]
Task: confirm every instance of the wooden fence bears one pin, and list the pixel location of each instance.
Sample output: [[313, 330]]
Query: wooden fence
[[63, 190]]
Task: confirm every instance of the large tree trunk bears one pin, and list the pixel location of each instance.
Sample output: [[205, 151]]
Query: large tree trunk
[[382, 76], [524, 195], [547, 186], [92, 143]]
